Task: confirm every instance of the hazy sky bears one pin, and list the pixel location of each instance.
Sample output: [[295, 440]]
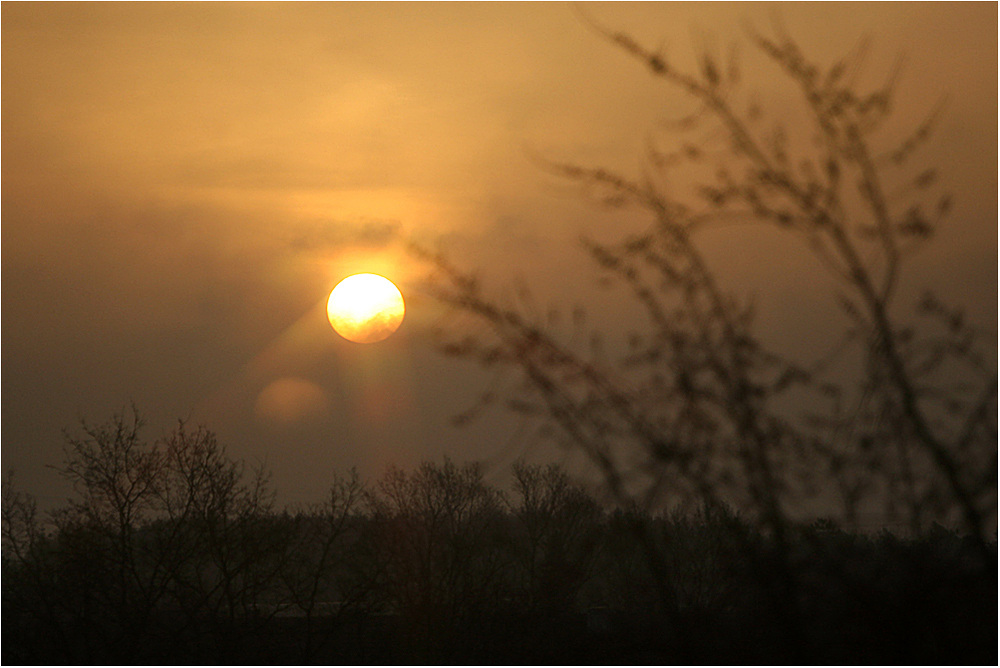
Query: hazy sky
[[183, 185]]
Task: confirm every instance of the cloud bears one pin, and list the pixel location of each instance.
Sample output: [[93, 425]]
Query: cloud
[[335, 234]]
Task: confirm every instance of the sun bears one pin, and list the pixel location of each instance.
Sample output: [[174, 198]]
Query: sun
[[365, 308]]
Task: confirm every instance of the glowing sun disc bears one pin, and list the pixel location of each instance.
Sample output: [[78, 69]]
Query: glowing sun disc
[[365, 308]]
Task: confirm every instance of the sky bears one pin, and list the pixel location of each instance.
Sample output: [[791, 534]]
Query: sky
[[184, 184]]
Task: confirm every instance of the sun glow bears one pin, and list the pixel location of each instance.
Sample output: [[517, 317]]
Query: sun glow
[[365, 308]]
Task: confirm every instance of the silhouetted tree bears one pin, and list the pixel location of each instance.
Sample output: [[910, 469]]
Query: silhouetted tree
[[321, 576], [32, 604], [217, 518], [438, 554], [699, 409], [559, 520], [114, 473], [170, 528]]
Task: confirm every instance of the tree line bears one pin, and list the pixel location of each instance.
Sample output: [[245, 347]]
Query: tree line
[[172, 551]]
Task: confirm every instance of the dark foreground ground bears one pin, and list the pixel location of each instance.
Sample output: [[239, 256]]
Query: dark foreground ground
[[936, 627]]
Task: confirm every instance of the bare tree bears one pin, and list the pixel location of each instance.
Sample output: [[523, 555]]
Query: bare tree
[[114, 473], [321, 571], [31, 597], [435, 553], [558, 519], [167, 527], [218, 520], [699, 410]]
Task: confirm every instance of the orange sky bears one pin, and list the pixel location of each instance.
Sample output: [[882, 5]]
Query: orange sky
[[183, 184]]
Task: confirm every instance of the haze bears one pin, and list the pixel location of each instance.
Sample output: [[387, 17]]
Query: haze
[[183, 185]]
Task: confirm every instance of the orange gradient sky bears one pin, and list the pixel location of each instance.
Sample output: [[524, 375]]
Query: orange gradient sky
[[184, 183]]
